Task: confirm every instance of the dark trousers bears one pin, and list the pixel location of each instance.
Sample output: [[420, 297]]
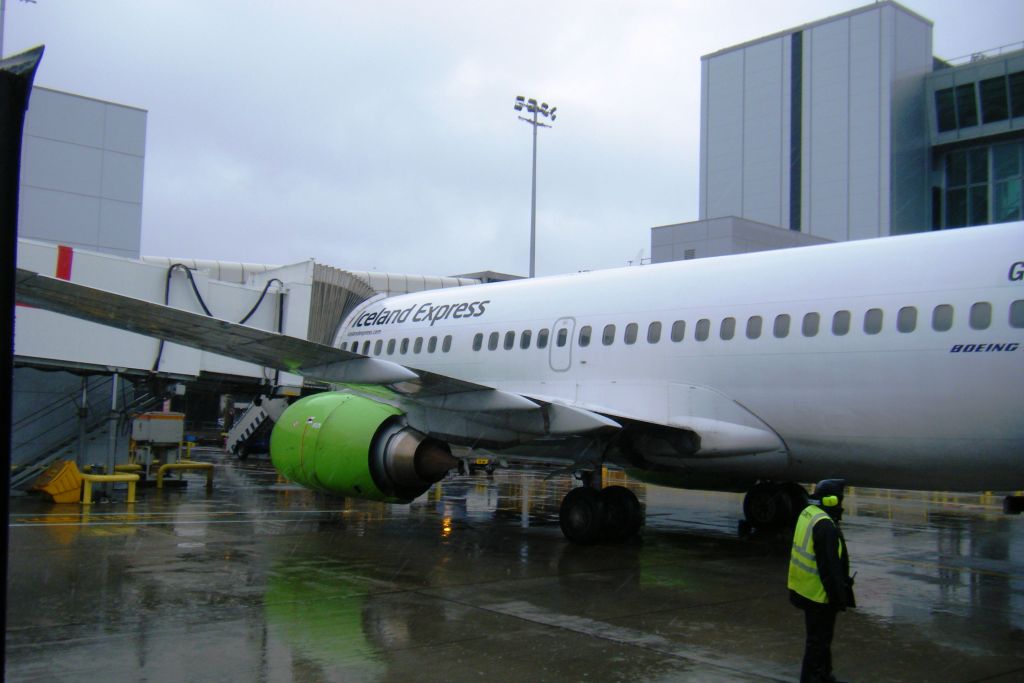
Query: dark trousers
[[821, 624]]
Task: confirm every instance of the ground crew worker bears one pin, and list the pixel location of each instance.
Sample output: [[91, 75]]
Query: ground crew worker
[[819, 576]]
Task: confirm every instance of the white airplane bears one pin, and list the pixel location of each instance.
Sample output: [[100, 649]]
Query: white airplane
[[893, 362]]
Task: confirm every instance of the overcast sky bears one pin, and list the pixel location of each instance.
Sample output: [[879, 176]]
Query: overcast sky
[[381, 135]]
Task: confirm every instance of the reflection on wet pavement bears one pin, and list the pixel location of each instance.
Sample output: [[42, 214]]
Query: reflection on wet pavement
[[262, 580]]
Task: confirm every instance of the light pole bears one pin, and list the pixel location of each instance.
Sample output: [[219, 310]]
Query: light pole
[[531, 107]]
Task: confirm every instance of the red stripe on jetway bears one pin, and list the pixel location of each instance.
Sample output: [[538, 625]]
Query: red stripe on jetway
[[65, 255]]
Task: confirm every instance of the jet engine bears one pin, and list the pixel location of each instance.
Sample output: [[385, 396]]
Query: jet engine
[[349, 445]]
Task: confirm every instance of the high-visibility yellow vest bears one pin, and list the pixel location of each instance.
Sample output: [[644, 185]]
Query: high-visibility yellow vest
[[803, 566]]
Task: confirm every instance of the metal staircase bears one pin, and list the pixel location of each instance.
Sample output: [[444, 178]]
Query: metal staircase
[[255, 416]]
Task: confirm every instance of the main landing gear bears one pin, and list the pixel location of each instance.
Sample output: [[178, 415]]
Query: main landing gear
[[770, 505], [609, 515]]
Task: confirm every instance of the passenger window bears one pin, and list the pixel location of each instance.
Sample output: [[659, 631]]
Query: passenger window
[[630, 336], [781, 328], [524, 339], [378, 346], [563, 336], [841, 323], [608, 335], [1017, 314], [727, 330], [446, 345], [432, 345], [754, 324], [678, 330], [418, 345], [542, 338], [654, 333], [344, 346], [981, 315], [812, 321], [585, 335], [366, 347], [510, 340], [942, 318], [391, 347], [492, 341], [703, 329], [873, 321], [478, 341], [906, 319], [404, 348]]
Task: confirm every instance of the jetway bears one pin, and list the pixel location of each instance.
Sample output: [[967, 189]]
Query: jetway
[[308, 300]]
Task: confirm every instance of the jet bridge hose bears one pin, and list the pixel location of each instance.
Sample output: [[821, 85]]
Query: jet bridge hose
[[199, 298]]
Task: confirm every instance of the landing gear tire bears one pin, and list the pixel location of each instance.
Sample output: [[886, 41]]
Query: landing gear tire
[[242, 451], [769, 506], [623, 514], [582, 515]]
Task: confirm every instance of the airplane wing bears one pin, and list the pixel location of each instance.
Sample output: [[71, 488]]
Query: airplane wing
[[443, 403]]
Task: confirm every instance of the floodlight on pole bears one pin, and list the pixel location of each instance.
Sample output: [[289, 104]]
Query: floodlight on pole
[[532, 107]]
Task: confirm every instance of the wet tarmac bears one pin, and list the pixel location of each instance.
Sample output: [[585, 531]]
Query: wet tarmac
[[264, 581]]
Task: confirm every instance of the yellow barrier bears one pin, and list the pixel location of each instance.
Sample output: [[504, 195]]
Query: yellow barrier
[[185, 466], [88, 479]]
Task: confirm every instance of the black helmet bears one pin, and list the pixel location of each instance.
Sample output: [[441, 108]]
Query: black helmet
[[829, 492]]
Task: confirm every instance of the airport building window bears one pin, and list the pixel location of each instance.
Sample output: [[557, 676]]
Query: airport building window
[[754, 324], [942, 318], [1017, 314], [781, 328], [654, 333], [966, 106], [630, 336], [703, 329], [432, 345], [967, 183], [478, 341], [945, 109], [906, 319], [1016, 83], [873, 321], [524, 339], [585, 335], [378, 347], [562, 338], [391, 347], [510, 340], [1007, 182], [492, 341], [417, 346], [678, 330], [994, 102], [841, 323], [608, 335], [811, 323], [542, 338], [446, 345], [981, 315], [403, 348], [727, 329]]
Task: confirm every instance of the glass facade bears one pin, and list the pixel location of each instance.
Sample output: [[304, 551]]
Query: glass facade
[[996, 99], [983, 185]]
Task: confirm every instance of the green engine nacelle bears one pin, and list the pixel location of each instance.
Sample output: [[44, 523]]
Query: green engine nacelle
[[354, 446]]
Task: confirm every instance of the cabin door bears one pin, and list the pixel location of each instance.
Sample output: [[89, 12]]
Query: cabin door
[[561, 344]]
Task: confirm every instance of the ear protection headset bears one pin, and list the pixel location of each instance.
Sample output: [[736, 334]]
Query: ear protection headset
[[830, 501]]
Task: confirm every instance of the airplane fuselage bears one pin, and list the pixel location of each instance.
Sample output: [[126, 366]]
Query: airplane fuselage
[[895, 362]]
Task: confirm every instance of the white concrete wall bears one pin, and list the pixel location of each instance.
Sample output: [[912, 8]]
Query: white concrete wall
[[864, 146], [82, 172]]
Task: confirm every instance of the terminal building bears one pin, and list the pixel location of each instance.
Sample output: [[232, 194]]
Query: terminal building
[[850, 128]]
